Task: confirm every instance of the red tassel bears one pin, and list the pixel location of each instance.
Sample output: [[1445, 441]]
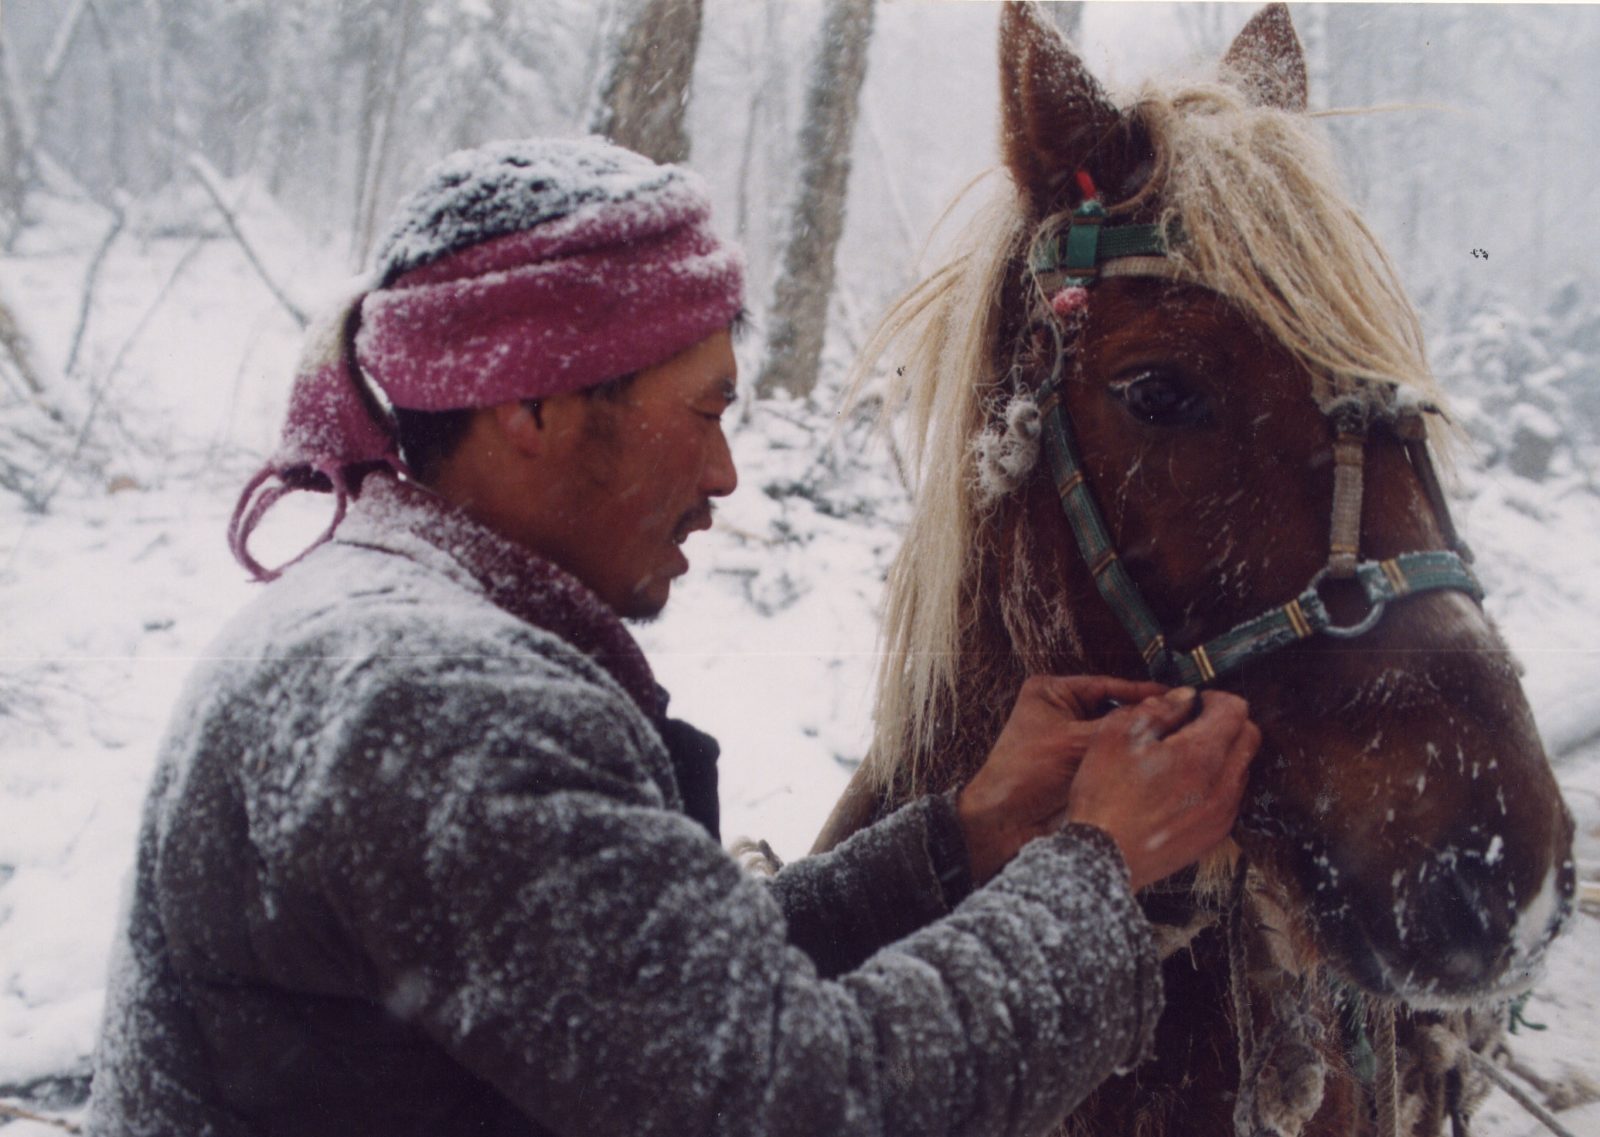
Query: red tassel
[[1086, 186], [1069, 300]]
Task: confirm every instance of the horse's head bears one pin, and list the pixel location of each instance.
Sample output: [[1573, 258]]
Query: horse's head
[[1254, 341], [1402, 790]]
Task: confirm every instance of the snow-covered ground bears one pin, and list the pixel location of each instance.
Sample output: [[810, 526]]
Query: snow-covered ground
[[109, 597]]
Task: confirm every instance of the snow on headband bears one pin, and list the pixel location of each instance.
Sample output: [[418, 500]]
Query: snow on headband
[[519, 270]]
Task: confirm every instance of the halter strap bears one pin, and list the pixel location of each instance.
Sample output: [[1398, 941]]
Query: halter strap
[[1079, 254], [1094, 540], [1382, 582], [1089, 249]]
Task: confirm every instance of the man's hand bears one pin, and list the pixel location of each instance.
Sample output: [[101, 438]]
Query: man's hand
[[1022, 790], [1167, 790]]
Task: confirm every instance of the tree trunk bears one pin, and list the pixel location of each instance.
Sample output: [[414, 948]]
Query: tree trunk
[[645, 97], [13, 145], [799, 313], [379, 120]]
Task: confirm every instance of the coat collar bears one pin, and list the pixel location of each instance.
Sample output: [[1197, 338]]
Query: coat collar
[[409, 520]]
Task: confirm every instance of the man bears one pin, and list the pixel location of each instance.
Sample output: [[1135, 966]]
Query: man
[[424, 853]]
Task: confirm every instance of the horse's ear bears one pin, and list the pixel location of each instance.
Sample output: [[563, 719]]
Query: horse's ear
[[1267, 61], [1053, 112]]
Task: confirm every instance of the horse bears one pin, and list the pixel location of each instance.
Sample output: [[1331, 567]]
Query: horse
[[1170, 415]]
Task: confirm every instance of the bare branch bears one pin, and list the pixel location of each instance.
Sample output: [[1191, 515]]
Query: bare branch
[[90, 278], [21, 123], [212, 181], [104, 386], [14, 341]]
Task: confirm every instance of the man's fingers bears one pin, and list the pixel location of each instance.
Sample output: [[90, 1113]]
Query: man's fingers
[[1099, 690], [1168, 711], [1221, 716], [1244, 750], [1084, 696], [1229, 775]]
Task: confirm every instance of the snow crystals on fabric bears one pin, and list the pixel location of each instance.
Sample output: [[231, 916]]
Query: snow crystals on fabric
[[509, 187]]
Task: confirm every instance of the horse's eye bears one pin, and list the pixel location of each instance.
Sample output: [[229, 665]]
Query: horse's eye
[[1161, 400]]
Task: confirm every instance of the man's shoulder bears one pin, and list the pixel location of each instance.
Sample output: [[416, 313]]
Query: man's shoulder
[[354, 600], [351, 625], [354, 649]]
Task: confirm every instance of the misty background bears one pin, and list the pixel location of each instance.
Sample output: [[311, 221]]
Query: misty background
[[326, 110]]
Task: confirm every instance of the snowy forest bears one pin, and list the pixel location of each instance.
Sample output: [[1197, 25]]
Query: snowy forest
[[184, 182]]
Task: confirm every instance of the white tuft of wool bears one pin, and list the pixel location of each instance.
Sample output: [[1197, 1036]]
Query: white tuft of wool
[[1005, 452]]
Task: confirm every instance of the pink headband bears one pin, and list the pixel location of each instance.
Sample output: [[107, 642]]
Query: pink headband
[[521, 271]]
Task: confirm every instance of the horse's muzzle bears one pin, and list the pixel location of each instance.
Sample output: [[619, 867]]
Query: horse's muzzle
[[1456, 933]]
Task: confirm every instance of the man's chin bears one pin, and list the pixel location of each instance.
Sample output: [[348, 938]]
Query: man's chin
[[645, 605]]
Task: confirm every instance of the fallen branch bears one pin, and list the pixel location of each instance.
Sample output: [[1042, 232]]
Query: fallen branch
[[17, 348], [111, 372], [1519, 1095], [211, 181], [19, 1114]]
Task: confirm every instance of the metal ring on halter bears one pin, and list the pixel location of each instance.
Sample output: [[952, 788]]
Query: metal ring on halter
[[1348, 631]]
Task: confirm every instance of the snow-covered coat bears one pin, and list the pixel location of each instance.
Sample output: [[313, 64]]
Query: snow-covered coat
[[416, 861]]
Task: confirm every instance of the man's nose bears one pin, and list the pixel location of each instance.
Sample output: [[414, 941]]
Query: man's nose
[[719, 478]]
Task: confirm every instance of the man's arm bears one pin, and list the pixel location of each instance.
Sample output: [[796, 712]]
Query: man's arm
[[1162, 787], [522, 894], [878, 886]]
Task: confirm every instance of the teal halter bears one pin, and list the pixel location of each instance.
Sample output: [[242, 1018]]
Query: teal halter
[[1078, 258]]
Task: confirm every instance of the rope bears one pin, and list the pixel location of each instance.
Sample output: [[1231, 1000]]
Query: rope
[[19, 1114], [1238, 990], [1282, 1072], [1386, 1085]]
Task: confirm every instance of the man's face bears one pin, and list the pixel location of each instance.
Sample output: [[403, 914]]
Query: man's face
[[652, 460]]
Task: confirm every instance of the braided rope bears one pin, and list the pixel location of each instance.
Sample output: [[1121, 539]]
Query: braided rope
[[1238, 980], [1386, 1085]]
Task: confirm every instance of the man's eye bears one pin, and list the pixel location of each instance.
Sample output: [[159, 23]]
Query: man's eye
[[1160, 399]]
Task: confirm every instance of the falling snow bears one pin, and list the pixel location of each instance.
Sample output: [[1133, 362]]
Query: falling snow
[[111, 596]]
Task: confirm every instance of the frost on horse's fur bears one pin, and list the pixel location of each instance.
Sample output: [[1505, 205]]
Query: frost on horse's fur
[[1005, 452]]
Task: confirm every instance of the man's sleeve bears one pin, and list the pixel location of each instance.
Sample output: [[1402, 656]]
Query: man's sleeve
[[492, 840], [878, 886]]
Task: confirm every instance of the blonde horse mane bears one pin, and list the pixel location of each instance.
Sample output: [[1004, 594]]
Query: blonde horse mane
[[1263, 222]]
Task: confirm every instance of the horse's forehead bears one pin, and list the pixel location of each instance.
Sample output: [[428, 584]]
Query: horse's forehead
[[1131, 317]]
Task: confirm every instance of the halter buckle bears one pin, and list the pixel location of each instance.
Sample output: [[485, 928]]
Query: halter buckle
[[1377, 599]]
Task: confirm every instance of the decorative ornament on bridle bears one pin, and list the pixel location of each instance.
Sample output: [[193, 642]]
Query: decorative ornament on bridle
[[1064, 264]]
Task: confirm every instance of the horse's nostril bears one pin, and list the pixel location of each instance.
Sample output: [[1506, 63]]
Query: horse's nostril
[[1465, 917]]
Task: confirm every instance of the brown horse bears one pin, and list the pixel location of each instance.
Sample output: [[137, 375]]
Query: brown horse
[[1172, 302]]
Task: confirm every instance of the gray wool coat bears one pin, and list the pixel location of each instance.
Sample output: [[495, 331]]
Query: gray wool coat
[[415, 861]]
